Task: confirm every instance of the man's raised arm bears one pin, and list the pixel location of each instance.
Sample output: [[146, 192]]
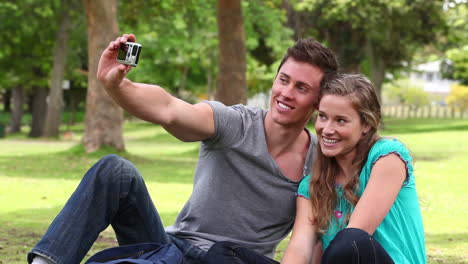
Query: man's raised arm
[[152, 103]]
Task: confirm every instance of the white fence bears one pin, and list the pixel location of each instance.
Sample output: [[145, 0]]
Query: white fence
[[429, 111]]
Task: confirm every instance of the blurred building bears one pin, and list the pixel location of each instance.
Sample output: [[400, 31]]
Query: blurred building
[[429, 76]]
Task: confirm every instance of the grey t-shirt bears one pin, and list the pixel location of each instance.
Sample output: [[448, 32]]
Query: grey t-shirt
[[239, 193]]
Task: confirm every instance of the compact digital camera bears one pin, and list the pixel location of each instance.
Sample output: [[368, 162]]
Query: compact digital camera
[[129, 52]]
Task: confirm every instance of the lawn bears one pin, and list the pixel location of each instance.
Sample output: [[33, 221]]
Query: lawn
[[37, 176]]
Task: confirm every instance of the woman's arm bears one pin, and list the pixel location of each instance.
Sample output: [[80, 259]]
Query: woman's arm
[[386, 179], [303, 240]]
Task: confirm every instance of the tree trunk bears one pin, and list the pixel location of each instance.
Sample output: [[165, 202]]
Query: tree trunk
[[377, 69], [104, 118], [55, 102], [39, 107], [17, 98], [7, 101], [231, 82]]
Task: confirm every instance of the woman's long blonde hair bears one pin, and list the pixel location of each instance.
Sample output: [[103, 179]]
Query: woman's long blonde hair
[[323, 194]]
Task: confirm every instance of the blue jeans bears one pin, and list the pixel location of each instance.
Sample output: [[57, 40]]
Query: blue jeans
[[111, 192], [355, 246], [229, 252], [350, 246]]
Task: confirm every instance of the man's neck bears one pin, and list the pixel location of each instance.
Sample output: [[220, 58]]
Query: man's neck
[[282, 139]]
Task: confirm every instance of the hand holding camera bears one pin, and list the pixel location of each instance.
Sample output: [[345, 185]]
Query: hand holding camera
[[118, 59]]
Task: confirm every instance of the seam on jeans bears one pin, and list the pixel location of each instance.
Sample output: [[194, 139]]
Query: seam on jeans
[[357, 250], [373, 248], [191, 249], [46, 255]]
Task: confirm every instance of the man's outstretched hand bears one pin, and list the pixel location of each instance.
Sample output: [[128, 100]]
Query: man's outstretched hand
[[110, 72]]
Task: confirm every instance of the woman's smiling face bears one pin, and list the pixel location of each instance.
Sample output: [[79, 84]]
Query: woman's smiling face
[[339, 127]]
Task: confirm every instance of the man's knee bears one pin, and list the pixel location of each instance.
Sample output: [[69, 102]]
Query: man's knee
[[111, 160], [113, 167]]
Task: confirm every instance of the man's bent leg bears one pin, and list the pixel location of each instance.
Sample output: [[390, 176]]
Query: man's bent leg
[[111, 192]]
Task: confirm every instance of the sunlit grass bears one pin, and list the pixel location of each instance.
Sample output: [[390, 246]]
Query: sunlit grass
[[37, 176]]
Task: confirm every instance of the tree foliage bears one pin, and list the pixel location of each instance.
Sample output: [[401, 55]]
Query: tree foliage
[[381, 33], [458, 97], [28, 28], [456, 43], [25, 56], [459, 64], [179, 39]]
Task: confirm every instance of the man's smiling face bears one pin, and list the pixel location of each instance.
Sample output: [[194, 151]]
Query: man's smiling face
[[295, 92]]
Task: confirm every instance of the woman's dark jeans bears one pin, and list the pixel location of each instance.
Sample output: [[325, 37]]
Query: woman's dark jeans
[[355, 246], [350, 246]]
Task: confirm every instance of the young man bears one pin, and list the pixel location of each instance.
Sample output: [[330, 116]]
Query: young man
[[250, 163]]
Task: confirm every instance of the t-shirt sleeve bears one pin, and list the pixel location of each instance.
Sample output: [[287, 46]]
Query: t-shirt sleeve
[[229, 124], [385, 147], [303, 189]]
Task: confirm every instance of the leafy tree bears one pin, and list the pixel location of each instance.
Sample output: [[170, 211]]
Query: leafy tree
[[25, 54], [179, 39], [458, 97], [459, 61], [456, 43], [55, 102], [382, 34], [267, 39], [104, 118], [456, 12]]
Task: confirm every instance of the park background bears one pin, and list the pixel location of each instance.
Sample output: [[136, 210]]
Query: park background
[[56, 120]]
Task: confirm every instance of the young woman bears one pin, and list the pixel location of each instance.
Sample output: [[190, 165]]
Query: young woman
[[361, 200], [360, 204]]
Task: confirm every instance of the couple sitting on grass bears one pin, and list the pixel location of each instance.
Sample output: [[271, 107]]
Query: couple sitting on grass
[[349, 193]]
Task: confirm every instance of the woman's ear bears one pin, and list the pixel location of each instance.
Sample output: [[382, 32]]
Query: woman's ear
[[366, 129]]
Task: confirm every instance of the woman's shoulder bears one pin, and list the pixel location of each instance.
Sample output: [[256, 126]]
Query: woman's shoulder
[[386, 146]]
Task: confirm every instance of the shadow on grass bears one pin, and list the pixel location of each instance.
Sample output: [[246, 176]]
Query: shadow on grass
[[18, 237], [73, 164], [428, 157], [158, 137]]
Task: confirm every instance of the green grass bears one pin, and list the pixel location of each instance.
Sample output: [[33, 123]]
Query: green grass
[[37, 176]]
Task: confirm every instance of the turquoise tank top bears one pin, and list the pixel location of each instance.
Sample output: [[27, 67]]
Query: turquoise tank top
[[401, 232]]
